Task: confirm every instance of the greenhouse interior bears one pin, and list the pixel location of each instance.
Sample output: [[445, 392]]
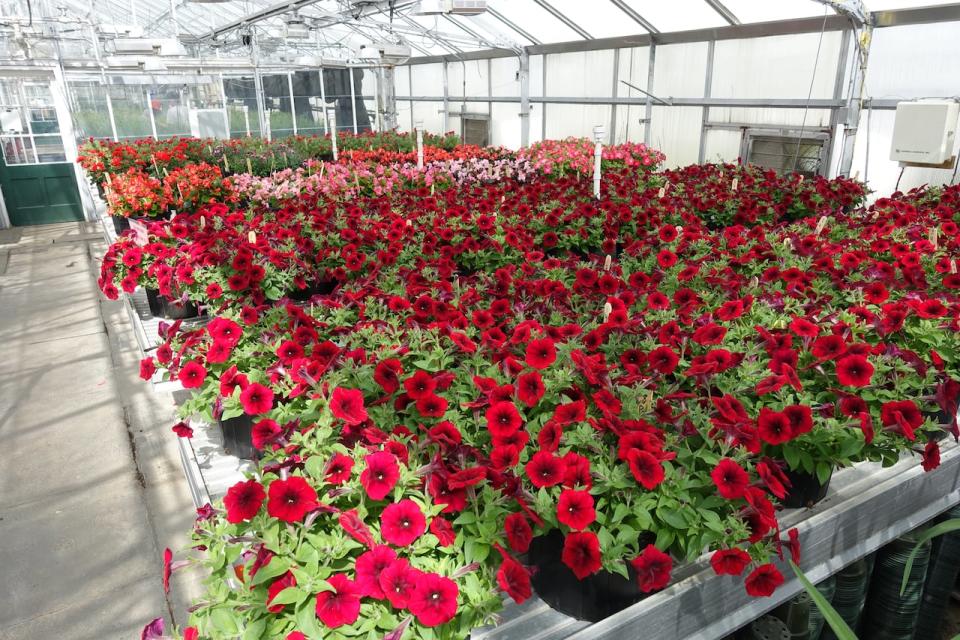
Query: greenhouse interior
[[486, 319]]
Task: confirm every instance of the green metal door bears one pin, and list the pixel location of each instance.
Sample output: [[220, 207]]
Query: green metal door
[[40, 193]]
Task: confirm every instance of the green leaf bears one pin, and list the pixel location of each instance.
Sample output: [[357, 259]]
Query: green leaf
[[289, 595], [932, 532], [254, 630], [276, 567], [232, 413], [222, 619], [315, 466], [830, 615], [792, 456], [824, 471]]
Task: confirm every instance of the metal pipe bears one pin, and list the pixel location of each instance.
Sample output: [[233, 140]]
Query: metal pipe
[[353, 101], [648, 113], [707, 90], [524, 98], [153, 119], [293, 109]]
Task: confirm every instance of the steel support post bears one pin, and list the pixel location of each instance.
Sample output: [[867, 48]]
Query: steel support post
[[524, 98], [353, 100], [648, 115], [613, 107], [446, 98], [855, 98], [707, 89]]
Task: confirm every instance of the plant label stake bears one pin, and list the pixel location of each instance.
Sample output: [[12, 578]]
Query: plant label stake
[[662, 192], [607, 262], [821, 223], [934, 238], [226, 164], [735, 183], [598, 132], [607, 310], [953, 266], [249, 166], [203, 222], [419, 126], [323, 167], [153, 159], [333, 134], [252, 237]]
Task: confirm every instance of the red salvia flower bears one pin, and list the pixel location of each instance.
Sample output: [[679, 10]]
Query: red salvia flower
[[575, 509], [340, 606], [401, 523], [291, 499], [381, 474], [730, 478], [653, 569], [581, 553], [243, 500]]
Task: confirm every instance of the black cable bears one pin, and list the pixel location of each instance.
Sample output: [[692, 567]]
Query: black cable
[[897, 187], [30, 13]]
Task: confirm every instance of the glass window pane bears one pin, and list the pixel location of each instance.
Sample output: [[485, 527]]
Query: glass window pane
[[681, 15], [276, 92], [600, 19], [534, 19], [50, 149], [307, 103], [89, 108], [17, 150], [130, 111], [241, 97], [753, 11]]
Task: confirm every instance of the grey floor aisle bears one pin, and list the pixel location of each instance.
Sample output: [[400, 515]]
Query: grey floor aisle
[[82, 526]]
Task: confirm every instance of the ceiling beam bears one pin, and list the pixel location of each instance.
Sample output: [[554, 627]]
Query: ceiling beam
[[499, 16], [636, 17], [562, 17], [724, 12]]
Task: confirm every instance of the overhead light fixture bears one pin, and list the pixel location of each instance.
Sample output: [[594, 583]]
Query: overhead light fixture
[[450, 7], [297, 29], [386, 53]]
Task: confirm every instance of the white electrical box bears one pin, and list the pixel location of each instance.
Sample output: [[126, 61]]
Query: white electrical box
[[924, 131]]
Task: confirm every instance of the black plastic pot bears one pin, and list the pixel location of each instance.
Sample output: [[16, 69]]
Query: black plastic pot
[[805, 489], [120, 224], [179, 309], [238, 438], [317, 288], [594, 598], [155, 302]]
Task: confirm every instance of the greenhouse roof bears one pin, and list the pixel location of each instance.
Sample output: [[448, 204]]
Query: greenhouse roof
[[335, 29]]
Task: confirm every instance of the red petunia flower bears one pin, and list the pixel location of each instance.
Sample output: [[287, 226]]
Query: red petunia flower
[[431, 406], [773, 427], [854, 371], [147, 368], [570, 412], [443, 530], [369, 566], [763, 580], [167, 569], [653, 569], [804, 328], [931, 456], [503, 419], [646, 468], [514, 579], [225, 330], [545, 469], [256, 399], [729, 562], [530, 388], [191, 375], [731, 480], [340, 606], [278, 585], [398, 582], [828, 348], [265, 432], [355, 528], [381, 474], [519, 533], [541, 353], [663, 360], [347, 405], [401, 523], [902, 416], [434, 600], [291, 499], [339, 468], [420, 384], [581, 553], [183, 430], [800, 417], [243, 500], [387, 375], [575, 509]]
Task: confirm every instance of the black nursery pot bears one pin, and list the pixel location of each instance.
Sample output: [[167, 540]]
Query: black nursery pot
[[155, 302], [238, 437], [805, 489], [594, 598], [179, 309], [120, 224], [316, 288]]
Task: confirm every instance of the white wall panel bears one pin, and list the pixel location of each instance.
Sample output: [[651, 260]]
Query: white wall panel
[[676, 132], [578, 120], [505, 125], [403, 115], [583, 73], [429, 113], [504, 76], [680, 70], [427, 79], [722, 145], [633, 68], [915, 61], [467, 78], [776, 67], [815, 118]]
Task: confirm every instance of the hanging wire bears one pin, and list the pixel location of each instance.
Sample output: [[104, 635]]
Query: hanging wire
[[806, 106]]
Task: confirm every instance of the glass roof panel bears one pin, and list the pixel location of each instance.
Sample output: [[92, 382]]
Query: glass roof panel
[[766, 11], [490, 26], [535, 20], [681, 15], [601, 18], [886, 5]]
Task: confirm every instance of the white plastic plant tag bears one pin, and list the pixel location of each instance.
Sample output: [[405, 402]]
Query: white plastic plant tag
[[821, 223], [607, 310], [249, 166], [735, 184], [203, 222], [226, 163], [252, 237], [607, 262]]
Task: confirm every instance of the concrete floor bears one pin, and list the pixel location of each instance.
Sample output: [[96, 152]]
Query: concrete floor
[[91, 489]]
